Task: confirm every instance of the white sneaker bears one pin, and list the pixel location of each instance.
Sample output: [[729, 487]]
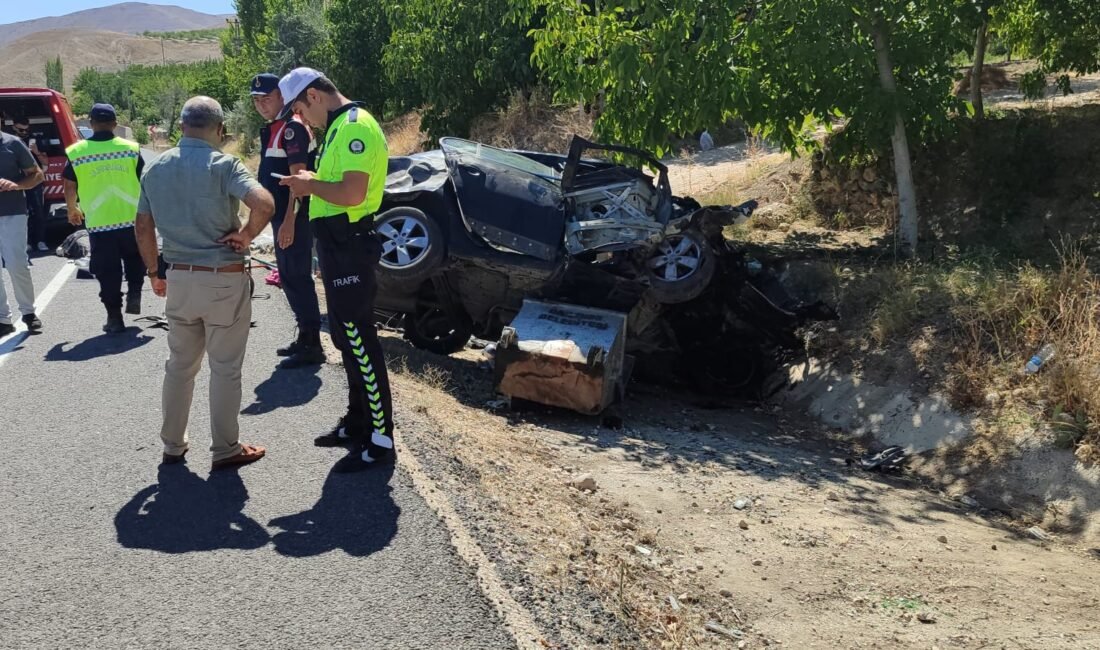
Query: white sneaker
[[43, 247]]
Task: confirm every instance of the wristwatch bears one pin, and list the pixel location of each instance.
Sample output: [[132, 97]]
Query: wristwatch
[[152, 275]]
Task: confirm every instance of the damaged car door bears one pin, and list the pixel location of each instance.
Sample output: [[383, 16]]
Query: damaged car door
[[511, 201]]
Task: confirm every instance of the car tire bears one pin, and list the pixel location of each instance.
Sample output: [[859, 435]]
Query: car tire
[[412, 245], [680, 268], [431, 328]]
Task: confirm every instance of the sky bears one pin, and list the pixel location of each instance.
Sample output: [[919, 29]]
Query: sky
[[13, 12]]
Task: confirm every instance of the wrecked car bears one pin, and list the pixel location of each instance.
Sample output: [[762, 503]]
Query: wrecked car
[[469, 230]]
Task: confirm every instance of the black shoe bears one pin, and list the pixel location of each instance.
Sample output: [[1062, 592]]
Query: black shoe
[[359, 459], [6, 328], [32, 322], [133, 305], [290, 349], [172, 459], [340, 436], [307, 355], [114, 324], [306, 339]]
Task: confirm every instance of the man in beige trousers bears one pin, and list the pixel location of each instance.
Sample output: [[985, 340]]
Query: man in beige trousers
[[191, 194]]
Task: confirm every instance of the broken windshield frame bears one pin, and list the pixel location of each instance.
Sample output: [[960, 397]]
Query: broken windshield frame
[[500, 157]]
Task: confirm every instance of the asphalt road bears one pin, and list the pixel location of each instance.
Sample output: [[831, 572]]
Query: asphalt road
[[100, 547]]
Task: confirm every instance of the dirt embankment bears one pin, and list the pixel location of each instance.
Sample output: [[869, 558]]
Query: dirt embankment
[[1009, 255], [720, 525]]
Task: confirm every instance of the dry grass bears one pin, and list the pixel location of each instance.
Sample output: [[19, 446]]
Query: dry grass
[[403, 135], [993, 78], [532, 123], [973, 326], [429, 374], [251, 161], [1014, 316]]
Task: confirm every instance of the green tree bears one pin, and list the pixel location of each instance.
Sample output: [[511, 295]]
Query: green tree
[[252, 16], [457, 58], [152, 94], [191, 35], [985, 11], [784, 66], [55, 75], [273, 36], [1064, 35], [298, 31], [244, 122], [141, 133], [359, 32]]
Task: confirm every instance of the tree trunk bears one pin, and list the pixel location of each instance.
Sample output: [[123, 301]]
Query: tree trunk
[[980, 44], [903, 168]]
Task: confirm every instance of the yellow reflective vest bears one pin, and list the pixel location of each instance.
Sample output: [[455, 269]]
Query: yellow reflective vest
[[107, 182]]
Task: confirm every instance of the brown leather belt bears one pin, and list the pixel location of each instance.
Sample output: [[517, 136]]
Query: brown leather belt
[[231, 268]]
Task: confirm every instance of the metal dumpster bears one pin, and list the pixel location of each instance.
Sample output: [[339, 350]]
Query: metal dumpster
[[563, 355]]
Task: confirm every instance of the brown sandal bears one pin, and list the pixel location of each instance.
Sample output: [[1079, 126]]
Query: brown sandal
[[248, 454]]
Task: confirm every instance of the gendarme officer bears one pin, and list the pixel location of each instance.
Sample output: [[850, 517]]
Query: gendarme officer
[[345, 192], [288, 148]]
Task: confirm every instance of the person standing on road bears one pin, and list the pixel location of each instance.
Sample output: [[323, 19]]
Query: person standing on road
[[191, 195], [288, 148], [104, 171], [346, 192], [19, 171], [36, 206]]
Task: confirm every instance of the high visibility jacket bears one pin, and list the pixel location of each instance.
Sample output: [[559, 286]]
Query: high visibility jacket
[[107, 182], [353, 142]]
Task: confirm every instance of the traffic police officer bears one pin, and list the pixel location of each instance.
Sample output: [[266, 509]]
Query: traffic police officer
[[346, 192], [104, 171], [288, 148]]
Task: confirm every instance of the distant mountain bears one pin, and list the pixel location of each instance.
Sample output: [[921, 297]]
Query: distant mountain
[[25, 59], [128, 18]]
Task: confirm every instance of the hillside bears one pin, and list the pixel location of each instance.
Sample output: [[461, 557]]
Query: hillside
[[25, 59], [127, 17]]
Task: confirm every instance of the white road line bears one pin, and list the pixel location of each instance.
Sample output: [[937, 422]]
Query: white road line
[[518, 621], [12, 341]]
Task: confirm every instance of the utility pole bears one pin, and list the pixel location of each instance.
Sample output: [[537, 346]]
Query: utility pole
[[163, 58]]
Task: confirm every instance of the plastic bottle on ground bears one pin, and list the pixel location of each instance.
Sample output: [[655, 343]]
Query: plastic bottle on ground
[[1045, 353]]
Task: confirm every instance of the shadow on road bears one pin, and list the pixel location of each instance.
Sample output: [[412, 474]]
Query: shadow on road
[[355, 514], [182, 513], [99, 346], [285, 389]]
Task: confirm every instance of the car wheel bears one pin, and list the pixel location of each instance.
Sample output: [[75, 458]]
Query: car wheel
[[412, 244], [431, 328], [681, 267]]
